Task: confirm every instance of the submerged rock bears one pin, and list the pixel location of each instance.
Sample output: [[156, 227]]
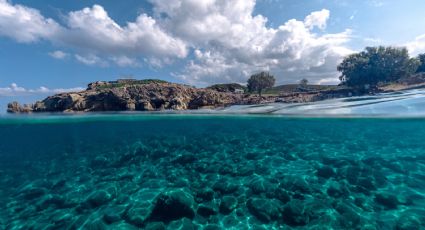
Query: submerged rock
[[325, 172], [138, 215], [206, 194], [264, 209], [228, 204], [212, 227], [336, 190], [388, 200], [183, 223], [349, 215], [224, 186], [409, 222], [184, 159], [99, 198], [297, 184], [173, 205], [140, 207], [32, 193], [207, 209], [56, 201], [295, 213], [112, 214], [155, 226], [260, 185]]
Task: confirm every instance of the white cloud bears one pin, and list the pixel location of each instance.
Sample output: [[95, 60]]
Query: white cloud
[[58, 54], [91, 60], [372, 40], [328, 81], [25, 24], [417, 46], [93, 29], [15, 90], [125, 61], [318, 18], [229, 42]]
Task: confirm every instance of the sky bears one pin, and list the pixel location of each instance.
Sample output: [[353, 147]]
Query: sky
[[49, 46]]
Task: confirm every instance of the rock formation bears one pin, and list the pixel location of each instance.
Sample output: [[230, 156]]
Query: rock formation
[[153, 95], [115, 96]]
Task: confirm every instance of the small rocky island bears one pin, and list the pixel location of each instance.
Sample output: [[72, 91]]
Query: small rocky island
[[154, 95], [130, 95]]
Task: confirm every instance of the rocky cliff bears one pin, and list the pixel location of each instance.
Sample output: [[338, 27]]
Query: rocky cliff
[[119, 96], [152, 95]]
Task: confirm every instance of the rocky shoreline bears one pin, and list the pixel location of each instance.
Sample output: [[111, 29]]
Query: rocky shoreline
[[155, 95]]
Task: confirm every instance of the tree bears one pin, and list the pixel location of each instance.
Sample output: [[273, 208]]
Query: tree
[[375, 65], [421, 68], [260, 81], [303, 82]]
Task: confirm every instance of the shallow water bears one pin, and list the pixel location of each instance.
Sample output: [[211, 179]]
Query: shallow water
[[410, 103], [211, 172]]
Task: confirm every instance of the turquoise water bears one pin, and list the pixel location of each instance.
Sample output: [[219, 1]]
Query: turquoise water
[[159, 171]]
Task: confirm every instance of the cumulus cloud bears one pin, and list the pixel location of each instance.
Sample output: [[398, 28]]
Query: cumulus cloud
[[318, 18], [25, 24], [219, 40], [230, 43], [417, 46], [92, 31], [15, 90], [58, 54]]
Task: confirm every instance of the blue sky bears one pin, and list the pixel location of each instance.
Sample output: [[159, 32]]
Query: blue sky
[[49, 46]]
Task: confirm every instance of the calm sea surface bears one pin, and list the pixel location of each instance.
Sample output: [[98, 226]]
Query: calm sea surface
[[164, 171]]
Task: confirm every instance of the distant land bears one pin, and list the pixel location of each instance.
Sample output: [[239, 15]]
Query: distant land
[[374, 70], [155, 95]]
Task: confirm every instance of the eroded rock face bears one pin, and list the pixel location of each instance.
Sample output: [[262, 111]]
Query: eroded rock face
[[160, 95], [139, 97], [15, 107]]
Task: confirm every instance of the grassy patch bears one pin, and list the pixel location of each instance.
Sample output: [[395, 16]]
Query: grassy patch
[[130, 83]]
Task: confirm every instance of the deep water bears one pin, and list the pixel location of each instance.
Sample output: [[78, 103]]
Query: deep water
[[211, 172]]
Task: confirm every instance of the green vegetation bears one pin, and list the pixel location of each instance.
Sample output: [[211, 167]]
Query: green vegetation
[[421, 68], [376, 65], [295, 88], [148, 81], [232, 87], [303, 82], [129, 82], [260, 81]]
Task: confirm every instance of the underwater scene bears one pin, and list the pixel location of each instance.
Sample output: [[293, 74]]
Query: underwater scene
[[182, 171]]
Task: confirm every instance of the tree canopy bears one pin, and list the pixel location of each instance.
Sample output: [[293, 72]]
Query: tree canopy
[[303, 82], [375, 65], [260, 81], [421, 67]]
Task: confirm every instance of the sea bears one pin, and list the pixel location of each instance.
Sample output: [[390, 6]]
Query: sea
[[356, 163]]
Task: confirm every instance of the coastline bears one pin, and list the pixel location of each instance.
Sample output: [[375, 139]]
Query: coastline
[[164, 96]]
